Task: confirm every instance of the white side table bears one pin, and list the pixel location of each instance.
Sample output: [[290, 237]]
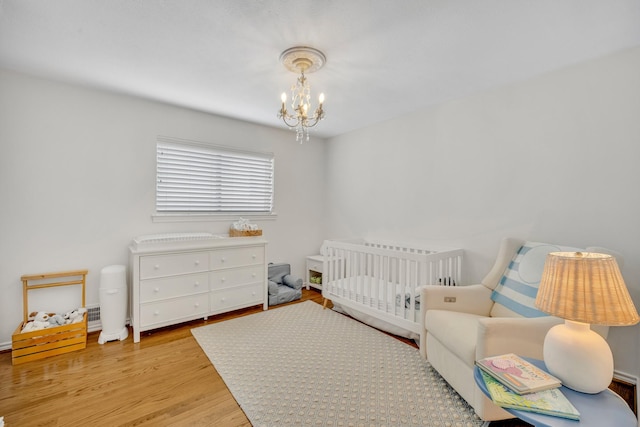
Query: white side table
[[314, 271]]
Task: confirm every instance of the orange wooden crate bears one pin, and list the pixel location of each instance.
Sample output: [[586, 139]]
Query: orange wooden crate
[[35, 345]]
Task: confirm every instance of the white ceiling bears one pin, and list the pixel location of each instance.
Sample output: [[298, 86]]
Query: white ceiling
[[384, 58]]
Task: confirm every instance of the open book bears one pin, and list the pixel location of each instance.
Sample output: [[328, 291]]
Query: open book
[[548, 402], [518, 374]]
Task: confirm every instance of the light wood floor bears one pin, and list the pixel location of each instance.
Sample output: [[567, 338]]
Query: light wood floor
[[166, 379]]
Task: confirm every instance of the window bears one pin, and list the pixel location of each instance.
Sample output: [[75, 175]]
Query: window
[[197, 178]]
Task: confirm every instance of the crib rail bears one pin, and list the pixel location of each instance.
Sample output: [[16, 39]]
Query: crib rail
[[380, 278]]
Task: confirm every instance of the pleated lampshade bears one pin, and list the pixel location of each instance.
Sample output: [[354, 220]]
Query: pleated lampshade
[[585, 287]]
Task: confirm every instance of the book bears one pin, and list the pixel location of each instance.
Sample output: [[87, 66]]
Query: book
[[518, 374], [547, 402]]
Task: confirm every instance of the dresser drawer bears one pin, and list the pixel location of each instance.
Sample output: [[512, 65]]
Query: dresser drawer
[[173, 286], [222, 279], [237, 257], [240, 296], [174, 309], [173, 264]]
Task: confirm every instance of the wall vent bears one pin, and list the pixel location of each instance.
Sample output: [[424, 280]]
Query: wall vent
[[93, 318], [93, 314]]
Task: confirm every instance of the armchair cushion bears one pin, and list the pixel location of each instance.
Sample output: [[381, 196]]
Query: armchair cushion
[[456, 331], [277, 271], [518, 286], [292, 282], [273, 288]]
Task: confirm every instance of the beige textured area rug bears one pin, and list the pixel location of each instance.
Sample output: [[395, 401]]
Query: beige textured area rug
[[300, 365]]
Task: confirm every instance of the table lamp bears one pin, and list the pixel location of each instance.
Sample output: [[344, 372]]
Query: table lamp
[[582, 288]]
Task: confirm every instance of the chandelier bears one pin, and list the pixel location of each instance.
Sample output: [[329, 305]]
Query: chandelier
[[301, 60]]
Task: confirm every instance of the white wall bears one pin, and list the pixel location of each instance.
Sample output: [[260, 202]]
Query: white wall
[[554, 159], [77, 182]]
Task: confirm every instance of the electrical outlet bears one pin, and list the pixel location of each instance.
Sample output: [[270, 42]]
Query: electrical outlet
[[449, 299]]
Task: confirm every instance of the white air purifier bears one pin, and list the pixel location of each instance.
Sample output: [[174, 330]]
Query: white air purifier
[[113, 304]]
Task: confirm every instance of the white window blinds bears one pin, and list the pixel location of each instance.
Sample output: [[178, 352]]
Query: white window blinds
[[208, 179]]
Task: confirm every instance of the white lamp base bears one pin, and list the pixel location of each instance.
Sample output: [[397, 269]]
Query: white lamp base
[[579, 357]]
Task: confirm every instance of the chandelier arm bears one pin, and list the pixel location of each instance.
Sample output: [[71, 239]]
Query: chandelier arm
[[287, 116], [312, 121], [310, 125]]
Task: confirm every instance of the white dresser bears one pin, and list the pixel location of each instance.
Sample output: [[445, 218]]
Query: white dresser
[[181, 277]]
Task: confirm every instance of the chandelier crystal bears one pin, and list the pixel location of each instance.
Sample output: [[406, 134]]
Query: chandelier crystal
[[303, 60]]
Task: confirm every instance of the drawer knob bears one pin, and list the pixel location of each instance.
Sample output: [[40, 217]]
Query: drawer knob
[[196, 305], [223, 259], [196, 284], [253, 274], [197, 262], [157, 266], [253, 256], [224, 279], [156, 289], [155, 313], [223, 299]]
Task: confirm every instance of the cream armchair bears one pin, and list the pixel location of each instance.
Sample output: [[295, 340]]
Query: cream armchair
[[461, 324]]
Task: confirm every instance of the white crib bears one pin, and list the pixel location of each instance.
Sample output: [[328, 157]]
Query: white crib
[[376, 282]]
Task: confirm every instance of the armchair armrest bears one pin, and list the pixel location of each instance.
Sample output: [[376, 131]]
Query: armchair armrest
[[292, 281], [474, 299], [520, 335]]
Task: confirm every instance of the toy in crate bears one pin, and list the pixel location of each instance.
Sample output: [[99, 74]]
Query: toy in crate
[[243, 228], [44, 334]]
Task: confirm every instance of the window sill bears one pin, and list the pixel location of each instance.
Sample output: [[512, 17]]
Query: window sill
[[211, 217]]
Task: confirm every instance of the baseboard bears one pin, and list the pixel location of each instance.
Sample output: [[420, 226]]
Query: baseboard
[[94, 326]]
